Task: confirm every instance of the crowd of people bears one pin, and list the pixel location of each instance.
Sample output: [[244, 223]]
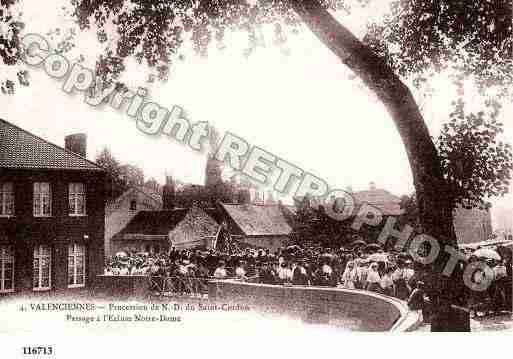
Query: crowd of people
[[359, 267]]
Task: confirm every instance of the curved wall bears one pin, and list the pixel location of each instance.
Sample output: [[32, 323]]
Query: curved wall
[[349, 309]]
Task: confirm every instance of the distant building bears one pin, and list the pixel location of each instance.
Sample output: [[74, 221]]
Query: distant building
[[261, 226], [52, 213], [158, 231], [472, 225], [388, 203], [120, 211]]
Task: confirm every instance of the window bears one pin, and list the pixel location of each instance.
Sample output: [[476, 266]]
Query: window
[[133, 205], [42, 199], [76, 266], [6, 269], [42, 275], [77, 199], [6, 199]]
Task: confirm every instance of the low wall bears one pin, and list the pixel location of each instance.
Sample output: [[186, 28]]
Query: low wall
[[122, 286], [351, 309]]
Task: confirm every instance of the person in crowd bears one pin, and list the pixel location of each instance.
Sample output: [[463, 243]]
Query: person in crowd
[[387, 283], [349, 277], [373, 278], [284, 272], [299, 274], [240, 271], [220, 272], [267, 274], [361, 274], [399, 277], [416, 300]]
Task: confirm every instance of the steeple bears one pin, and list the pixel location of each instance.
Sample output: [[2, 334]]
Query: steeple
[[213, 172], [169, 194]]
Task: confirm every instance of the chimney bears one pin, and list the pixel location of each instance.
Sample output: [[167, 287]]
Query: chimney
[[372, 186], [168, 194], [244, 196], [76, 143]]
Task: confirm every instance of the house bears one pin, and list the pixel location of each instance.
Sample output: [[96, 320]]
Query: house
[[52, 213], [471, 225], [262, 226], [387, 203], [121, 210], [158, 231]]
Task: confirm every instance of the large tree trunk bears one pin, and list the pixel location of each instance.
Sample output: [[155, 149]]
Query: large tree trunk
[[433, 195]]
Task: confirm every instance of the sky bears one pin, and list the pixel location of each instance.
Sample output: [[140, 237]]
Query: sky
[[304, 107]]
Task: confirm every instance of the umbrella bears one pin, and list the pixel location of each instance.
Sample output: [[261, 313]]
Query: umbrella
[[378, 257], [508, 245], [504, 252], [372, 247], [487, 253], [358, 242]]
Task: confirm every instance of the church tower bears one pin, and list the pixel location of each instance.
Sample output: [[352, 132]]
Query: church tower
[[169, 194], [213, 172]]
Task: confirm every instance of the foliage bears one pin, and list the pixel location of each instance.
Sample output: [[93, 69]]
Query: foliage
[[468, 38], [417, 37], [410, 212], [10, 28], [475, 163], [120, 177]]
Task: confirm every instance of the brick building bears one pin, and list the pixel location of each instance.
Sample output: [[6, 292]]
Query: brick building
[[121, 210], [52, 214]]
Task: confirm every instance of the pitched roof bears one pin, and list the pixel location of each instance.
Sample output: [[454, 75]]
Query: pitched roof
[[113, 204], [258, 220], [386, 202], [22, 149], [155, 222], [196, 225]]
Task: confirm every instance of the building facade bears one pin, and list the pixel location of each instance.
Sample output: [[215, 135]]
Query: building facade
[[258, 226], [120, 211], [159, 231], [52, 214]]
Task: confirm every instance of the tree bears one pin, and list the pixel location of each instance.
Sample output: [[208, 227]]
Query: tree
[[115, 185], [120, 177], [132, 175], [475, 163], [10, 27]]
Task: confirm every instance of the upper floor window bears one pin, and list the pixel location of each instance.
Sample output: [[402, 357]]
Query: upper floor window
[[6, 199], [42, 199], [77, 199]]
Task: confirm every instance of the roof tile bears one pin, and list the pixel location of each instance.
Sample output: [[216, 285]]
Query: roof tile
[[22, 149]]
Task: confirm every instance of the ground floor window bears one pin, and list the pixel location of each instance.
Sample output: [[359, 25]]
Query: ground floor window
[[6, 269], [42, 275], [76, 265]]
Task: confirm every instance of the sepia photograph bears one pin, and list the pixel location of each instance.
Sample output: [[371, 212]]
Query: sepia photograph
[[255, 177]]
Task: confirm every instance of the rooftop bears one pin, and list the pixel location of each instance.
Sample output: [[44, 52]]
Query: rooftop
[[22, 149]]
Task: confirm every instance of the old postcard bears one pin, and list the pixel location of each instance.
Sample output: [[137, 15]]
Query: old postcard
[[236, 178]]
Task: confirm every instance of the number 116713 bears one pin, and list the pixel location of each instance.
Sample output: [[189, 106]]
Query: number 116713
[[37, 350]]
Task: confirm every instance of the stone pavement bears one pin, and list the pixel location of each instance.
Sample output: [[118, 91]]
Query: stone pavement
[[492, 323], [488, 323]]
